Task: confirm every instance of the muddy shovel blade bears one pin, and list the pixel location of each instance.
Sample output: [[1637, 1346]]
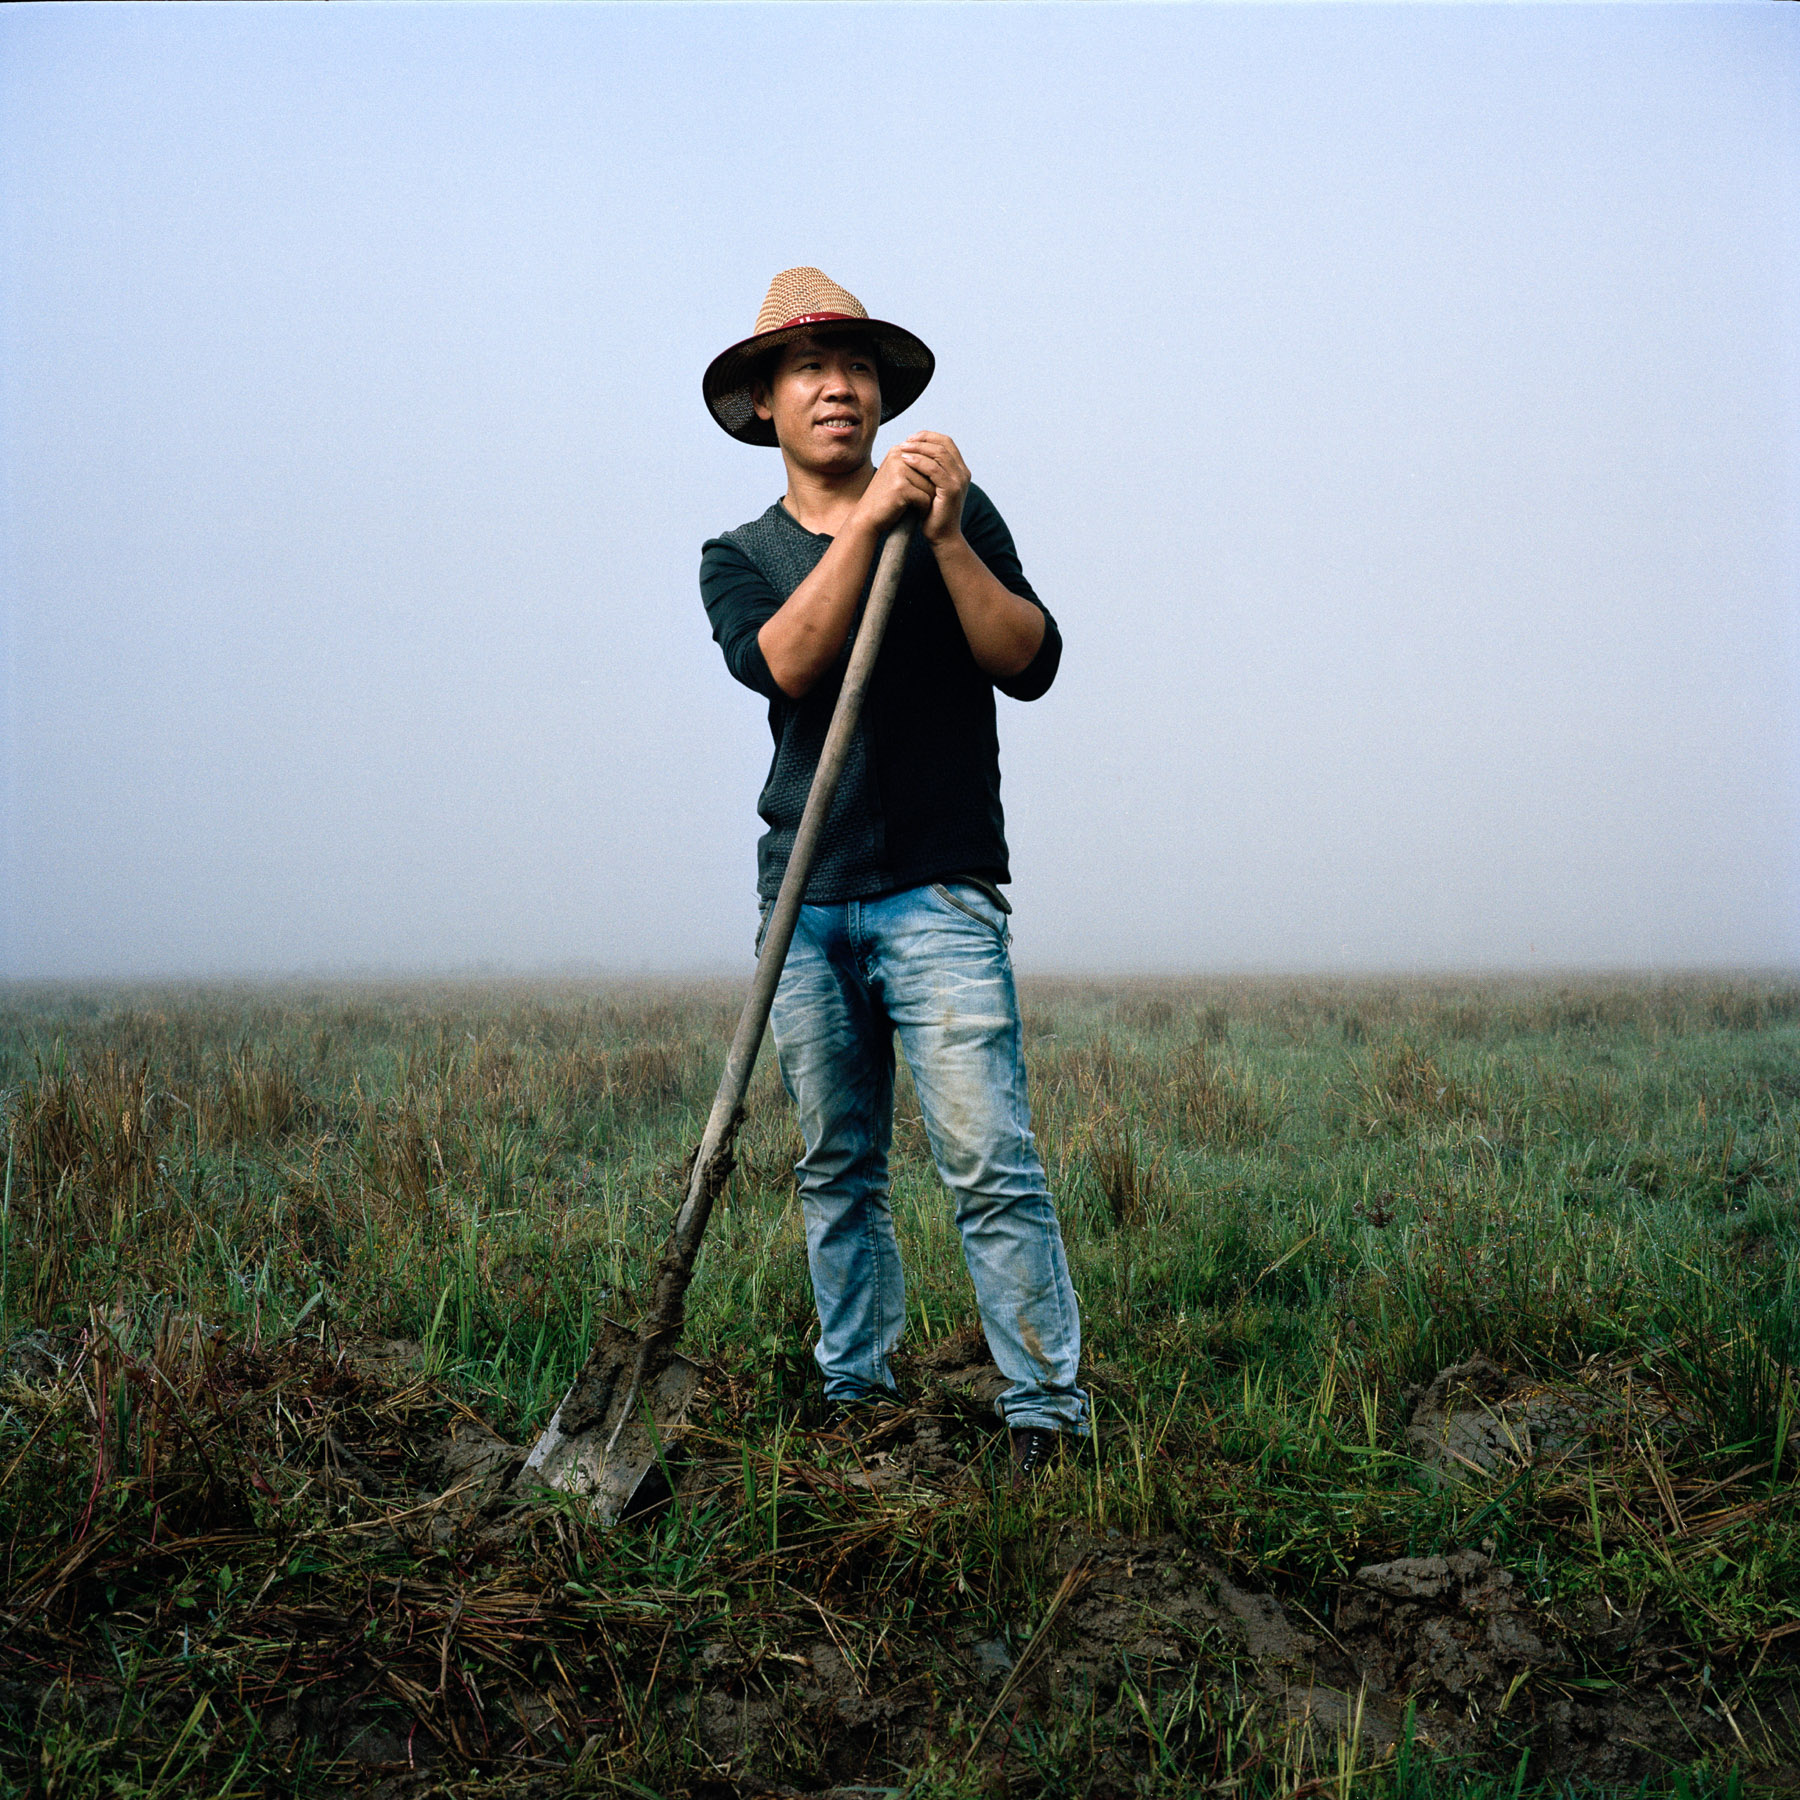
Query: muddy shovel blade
[[571, 1454]]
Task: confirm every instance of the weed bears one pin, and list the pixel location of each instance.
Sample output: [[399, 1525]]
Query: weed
[[1221, 1106], [1130, 1184]]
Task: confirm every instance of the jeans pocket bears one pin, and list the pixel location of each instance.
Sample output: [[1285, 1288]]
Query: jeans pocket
[[969, 899]]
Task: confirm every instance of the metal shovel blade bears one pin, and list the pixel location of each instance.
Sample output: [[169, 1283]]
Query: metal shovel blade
[[571, 1454]]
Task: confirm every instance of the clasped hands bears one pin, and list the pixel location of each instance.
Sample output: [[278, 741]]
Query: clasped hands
[[925, 471]]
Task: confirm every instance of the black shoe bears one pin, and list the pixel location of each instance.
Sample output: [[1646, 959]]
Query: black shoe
[[1035, 1448]]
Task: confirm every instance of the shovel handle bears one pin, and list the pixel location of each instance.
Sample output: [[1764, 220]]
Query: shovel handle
[[663, 1320]]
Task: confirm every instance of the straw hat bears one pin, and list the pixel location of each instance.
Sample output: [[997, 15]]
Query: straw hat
[[798, 300]]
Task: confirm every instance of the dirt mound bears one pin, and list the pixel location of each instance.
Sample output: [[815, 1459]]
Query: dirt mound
[[959, 1366], [1474, 1420], [1120, 1638], [1487, 1666], [1159, 1608], [1452, 1626], [36, 1359]]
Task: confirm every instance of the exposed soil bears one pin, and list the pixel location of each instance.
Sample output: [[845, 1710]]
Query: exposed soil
[[1475, 1420]]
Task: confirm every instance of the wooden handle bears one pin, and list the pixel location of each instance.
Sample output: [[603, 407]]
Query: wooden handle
[[663, 1319]]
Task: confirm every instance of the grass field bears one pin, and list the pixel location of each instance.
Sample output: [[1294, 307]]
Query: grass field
[[1444, 1336]]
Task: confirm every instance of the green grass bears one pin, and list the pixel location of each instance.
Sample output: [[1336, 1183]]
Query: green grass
[[1286, 1206]]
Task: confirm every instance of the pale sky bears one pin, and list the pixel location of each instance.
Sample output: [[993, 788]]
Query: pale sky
[[1397, 408]]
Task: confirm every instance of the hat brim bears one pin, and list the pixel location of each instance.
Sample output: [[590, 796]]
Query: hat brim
[[905, 363]]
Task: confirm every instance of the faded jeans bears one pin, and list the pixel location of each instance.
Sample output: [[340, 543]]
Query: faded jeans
[[931, 964]]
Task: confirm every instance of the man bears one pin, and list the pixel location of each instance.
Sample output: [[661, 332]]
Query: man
[[904, 929]]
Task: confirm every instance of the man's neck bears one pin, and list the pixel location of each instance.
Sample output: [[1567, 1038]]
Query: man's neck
[[824, 502]]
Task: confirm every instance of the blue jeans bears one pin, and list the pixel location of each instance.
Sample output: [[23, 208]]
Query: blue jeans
[[932, 964]]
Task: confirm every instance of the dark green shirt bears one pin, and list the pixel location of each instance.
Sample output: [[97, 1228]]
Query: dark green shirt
[[920, 797]]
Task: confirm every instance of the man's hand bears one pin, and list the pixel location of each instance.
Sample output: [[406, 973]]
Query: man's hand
[[897, 484], [934, 457]]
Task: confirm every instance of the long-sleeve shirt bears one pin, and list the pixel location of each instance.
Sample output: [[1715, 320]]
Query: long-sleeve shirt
[[920, 795]]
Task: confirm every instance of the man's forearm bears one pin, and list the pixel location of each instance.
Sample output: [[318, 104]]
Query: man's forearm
[[803, 639], [1003, 630]]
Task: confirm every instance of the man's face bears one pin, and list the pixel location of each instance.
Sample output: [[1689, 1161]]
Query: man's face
[[824, 396]]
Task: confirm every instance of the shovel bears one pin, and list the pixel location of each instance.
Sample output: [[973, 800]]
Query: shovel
[[628, 1403]]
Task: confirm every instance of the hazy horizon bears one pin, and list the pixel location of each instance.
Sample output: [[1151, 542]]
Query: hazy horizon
[[1399, 409], [476, 976]]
